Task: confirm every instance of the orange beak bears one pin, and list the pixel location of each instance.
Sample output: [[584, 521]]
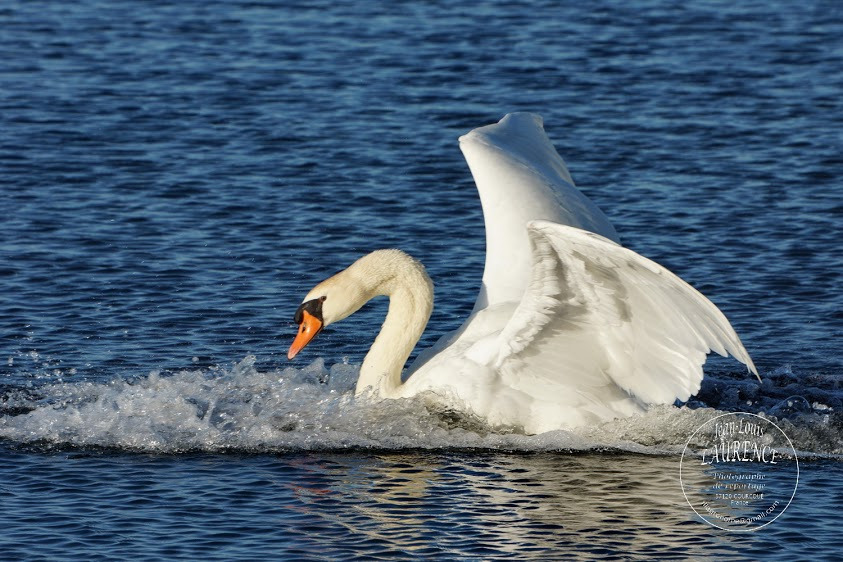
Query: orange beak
[[309, 327]]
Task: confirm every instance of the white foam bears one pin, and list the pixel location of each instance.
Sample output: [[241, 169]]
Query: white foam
[[242, 408]]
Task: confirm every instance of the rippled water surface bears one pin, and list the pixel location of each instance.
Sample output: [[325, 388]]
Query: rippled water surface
[[452, 504], [176, 176]]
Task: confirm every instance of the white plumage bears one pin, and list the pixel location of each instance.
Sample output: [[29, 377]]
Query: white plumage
[[569, 328]]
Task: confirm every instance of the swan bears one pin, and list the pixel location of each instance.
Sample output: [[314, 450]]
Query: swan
[[569, 329]]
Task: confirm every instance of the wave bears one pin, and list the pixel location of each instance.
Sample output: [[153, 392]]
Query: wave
[[314, 408]]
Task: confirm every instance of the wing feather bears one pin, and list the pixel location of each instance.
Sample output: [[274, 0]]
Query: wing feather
[[596, 314], [520, 177]]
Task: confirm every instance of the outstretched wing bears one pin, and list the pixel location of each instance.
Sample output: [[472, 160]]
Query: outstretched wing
[[597, 314], [520, 177]]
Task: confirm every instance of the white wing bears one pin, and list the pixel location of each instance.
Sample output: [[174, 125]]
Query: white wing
[[521, 177], [597, 314], [570, 328]]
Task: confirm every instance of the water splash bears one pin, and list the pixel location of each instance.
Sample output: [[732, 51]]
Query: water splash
[[313, 408]]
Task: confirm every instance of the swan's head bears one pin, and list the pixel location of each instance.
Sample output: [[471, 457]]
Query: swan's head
[[330, 301], [337, 297]]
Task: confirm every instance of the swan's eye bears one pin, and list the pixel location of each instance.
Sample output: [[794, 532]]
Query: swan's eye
[[323, 299]]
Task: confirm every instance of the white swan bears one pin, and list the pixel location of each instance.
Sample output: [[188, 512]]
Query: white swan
[[569, 327]]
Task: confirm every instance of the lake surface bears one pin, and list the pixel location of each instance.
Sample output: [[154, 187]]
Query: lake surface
[[176, 176]]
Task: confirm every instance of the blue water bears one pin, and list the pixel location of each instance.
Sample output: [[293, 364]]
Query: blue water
[[176, 176]]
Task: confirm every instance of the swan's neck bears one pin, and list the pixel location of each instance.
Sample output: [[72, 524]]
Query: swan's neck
[[401, 278]]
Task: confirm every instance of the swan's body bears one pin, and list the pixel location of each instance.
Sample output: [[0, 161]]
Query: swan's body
[[569, 327]]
